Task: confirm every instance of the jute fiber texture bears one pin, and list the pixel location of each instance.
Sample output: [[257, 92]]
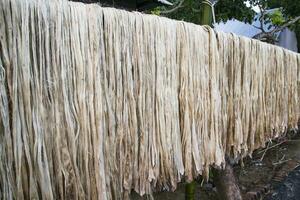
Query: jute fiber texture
[[95, 102]]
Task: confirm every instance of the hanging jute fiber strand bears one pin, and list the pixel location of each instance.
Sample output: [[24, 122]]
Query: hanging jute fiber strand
[[96, 102]]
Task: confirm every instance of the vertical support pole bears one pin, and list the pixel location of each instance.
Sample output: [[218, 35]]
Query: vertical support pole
[[190, 191], [206, 19]]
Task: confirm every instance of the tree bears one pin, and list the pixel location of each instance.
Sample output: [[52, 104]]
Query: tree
[[286, 16], [191, 10]]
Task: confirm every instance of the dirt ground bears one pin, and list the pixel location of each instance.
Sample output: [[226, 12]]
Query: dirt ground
[[264, 176]]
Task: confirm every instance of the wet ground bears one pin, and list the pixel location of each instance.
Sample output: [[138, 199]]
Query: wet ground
[[289, 189], [272, 173], [179, 194], [262, 175]]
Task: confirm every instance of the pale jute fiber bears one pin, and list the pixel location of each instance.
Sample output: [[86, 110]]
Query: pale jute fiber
[[95, 102]]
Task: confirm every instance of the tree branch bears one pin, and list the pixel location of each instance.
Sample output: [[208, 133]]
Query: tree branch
[[173, 9], [262, 35], [256, 27], [287, 24], [196, 10], [262, 18]]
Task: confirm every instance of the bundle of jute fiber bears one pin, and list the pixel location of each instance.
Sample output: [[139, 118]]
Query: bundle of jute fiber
[[95, 102]]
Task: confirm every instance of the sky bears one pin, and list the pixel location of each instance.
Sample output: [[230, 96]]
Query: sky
[[255, 8]]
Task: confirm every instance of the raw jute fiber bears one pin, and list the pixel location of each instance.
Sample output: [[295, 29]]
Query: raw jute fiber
[[95, 102]]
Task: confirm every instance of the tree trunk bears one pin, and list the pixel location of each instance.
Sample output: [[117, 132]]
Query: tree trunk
[[226, 184]]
